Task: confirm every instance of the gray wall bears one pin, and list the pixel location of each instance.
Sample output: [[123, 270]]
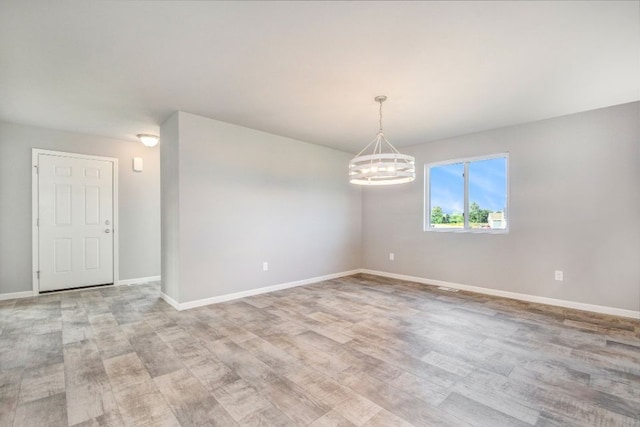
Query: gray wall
[[574, 206], [235, 197], [169, 180], [139, 200], [246, 197]]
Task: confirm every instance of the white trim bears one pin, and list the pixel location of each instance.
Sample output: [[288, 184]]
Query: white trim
[[15, 295], [138, 281], [116, 223], [251, 292], [173, 303], [512, 295], [73, 155], [465, 191], [35, 241]]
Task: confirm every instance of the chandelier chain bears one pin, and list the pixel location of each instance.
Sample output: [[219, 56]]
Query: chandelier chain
[[381, 115]]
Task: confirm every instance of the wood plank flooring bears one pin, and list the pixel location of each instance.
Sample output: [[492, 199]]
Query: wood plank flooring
[[356, 351]]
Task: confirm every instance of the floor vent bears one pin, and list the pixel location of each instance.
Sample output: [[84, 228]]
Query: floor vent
[[444, 288]]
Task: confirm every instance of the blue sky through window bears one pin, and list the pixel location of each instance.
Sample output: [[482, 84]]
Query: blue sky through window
[[487, 185], [447, 187]]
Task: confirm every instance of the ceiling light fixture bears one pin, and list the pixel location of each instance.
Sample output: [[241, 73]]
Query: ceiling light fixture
[[148, 140], [383, 164]]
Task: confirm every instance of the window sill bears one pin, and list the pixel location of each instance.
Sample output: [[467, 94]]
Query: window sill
[[467, 230]]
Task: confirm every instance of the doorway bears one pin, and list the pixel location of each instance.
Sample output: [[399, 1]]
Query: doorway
[[75, 209]]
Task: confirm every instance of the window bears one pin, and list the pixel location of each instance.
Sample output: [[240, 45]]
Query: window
[[467, 194]]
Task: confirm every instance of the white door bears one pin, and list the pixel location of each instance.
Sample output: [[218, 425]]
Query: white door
[[75, 222]]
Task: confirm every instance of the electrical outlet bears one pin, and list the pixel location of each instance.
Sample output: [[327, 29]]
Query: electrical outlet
[[265, 266], [559, 275], [392, 256]]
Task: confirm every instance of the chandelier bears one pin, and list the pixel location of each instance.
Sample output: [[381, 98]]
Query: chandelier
[[379, 163]]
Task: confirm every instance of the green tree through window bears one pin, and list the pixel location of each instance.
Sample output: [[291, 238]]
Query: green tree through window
[[436, 215], [478, 215]]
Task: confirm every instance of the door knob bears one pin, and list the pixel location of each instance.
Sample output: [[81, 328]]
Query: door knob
[[107, 231]]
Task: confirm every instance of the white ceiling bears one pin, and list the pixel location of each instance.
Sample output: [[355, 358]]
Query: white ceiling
[[310, 70]]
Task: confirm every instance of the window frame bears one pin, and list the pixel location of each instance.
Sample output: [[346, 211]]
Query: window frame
[[426, 219]]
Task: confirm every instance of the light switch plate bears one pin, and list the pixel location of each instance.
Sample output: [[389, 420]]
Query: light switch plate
[[137, 164]]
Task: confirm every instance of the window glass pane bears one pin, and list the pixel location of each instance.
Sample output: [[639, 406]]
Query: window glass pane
[[446, 191], [488, 194]]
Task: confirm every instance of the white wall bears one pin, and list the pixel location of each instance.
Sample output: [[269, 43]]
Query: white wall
[[139, 200], [574, 206], [246, 197]]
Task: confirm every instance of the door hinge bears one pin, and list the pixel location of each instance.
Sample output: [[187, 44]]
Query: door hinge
[[36, 166], [37, 222], [38, 273]]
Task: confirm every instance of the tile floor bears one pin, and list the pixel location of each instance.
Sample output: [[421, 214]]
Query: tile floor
[[356, 351]]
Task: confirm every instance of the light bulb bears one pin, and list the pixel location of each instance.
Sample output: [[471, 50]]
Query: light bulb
[[148, 140]]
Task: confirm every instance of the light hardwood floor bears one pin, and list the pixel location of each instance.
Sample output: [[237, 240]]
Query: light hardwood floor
[[361, 350]]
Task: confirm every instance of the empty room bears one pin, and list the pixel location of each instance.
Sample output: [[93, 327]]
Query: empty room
[[319, 213]]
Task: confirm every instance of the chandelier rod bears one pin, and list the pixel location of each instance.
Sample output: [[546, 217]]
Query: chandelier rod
[[368, 145], [381, 100]]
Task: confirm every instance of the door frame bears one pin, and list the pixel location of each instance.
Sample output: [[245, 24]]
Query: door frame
[[35, 199]]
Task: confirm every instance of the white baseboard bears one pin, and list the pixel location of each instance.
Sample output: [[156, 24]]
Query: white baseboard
[[138, 281], [512, 295], [173, 303], [14, 295], [487, 291], [251, 292]]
